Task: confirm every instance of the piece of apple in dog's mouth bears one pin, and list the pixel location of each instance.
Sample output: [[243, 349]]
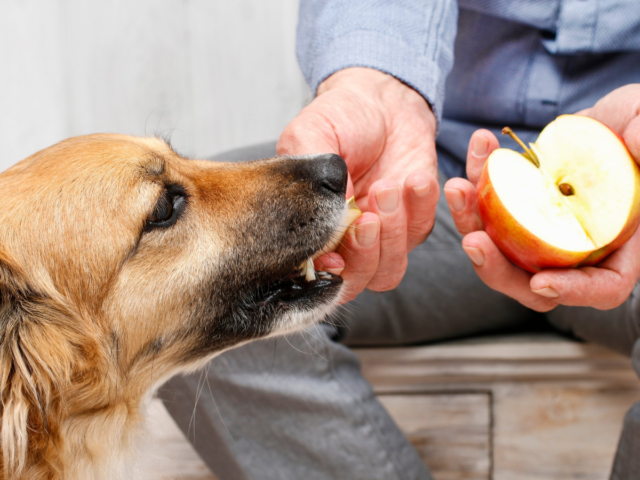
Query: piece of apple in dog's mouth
[[350, 215], [306, 281]]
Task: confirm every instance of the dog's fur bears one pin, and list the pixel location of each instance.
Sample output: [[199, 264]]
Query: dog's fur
[[101, 301]]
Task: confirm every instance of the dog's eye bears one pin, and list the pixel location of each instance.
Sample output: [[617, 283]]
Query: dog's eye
[[168, 207], [162, 212]]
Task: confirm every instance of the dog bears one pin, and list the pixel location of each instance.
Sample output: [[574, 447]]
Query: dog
[[122, 264]]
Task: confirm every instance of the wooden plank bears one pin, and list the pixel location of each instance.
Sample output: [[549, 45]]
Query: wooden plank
[[480, 364], [558, 404], [548, 432], [551, 427], [167, 454], [451, 433]]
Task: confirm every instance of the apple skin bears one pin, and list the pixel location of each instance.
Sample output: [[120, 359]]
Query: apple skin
[[517, 243], [530, 252]]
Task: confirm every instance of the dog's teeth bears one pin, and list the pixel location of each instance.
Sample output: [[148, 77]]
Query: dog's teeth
[[310, 274]]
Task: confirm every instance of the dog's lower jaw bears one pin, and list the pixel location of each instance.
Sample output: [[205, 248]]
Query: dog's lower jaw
[[297, 321]]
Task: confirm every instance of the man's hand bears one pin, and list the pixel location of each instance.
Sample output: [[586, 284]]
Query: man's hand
[[605, 286], [385, 131]]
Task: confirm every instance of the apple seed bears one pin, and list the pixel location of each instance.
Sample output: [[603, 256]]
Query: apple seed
[[566, 189]]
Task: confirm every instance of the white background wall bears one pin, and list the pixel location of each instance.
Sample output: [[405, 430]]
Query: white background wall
[[216, 74]]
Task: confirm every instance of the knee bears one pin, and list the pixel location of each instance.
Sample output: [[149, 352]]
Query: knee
[[635, 357], [632, 418]]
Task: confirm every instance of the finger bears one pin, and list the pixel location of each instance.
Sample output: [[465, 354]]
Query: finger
[[482, 143], [617, 109], [499, 273], [421, 191], [463, 202], [361, 252], [604, 286], [330, 262], [631, 137], [350, 190], [386, 200]]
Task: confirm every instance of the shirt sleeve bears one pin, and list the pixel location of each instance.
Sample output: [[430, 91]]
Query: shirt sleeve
[[412, 40], [595, 26]]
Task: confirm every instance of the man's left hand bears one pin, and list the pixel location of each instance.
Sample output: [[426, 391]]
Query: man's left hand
[[604, 286]]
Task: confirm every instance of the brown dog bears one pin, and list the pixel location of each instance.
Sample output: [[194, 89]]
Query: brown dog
[[122, 264]]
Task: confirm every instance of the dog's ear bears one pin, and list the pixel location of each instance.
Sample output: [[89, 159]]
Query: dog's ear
[[38, 345]]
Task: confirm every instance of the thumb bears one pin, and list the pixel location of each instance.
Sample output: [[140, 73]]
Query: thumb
[[631, 138], [309, 132], [481, 144], [618, 109]]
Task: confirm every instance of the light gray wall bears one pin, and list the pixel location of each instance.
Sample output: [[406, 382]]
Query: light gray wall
[[214, 74]]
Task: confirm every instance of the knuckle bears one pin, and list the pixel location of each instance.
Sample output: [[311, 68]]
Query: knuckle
[[543, 307], [384, 284], [419, 233], [393, 233], [618, 300], [385, 280]]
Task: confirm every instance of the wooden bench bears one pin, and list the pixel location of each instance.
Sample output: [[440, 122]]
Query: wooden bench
[[503, 408]]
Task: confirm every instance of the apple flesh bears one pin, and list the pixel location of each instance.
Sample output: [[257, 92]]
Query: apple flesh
[[578, 206], [349, 215]]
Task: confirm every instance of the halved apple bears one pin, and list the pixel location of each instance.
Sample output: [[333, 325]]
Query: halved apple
[[350, 214], [569, 201]]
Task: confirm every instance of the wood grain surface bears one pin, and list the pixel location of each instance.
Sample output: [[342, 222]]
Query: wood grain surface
[[451, 432], [502, 408]]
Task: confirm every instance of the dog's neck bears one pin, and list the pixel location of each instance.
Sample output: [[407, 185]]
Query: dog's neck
[[102, 444], [91, 437]]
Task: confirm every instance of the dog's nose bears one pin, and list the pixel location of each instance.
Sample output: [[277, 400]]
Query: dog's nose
[[330, 171]]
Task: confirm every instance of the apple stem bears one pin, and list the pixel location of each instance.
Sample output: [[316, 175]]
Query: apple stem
[[528, 153]]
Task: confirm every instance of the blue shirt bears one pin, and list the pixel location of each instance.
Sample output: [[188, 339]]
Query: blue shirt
[[517, 62]]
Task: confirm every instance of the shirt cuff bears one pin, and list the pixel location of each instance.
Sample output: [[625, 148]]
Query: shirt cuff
[[422, 71]]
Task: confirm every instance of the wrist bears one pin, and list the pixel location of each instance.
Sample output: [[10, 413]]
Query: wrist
[[385, 90], [368, 78]]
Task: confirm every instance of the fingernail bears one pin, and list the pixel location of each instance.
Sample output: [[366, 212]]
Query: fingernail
[[387, 199], [480, 146], [476, 255], [366, 234], [455, 198], [422, 191], [335, 271], [546, 292]]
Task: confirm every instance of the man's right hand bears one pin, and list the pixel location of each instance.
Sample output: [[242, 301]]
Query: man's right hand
[[385, 131]]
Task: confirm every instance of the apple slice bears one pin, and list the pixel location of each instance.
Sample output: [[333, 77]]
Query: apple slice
[[569, 201], [350, 214]]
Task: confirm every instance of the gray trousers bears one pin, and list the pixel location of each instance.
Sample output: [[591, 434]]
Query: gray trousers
[[297, 407]]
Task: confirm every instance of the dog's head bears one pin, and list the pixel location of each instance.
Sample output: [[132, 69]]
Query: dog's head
[[122, 262]]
